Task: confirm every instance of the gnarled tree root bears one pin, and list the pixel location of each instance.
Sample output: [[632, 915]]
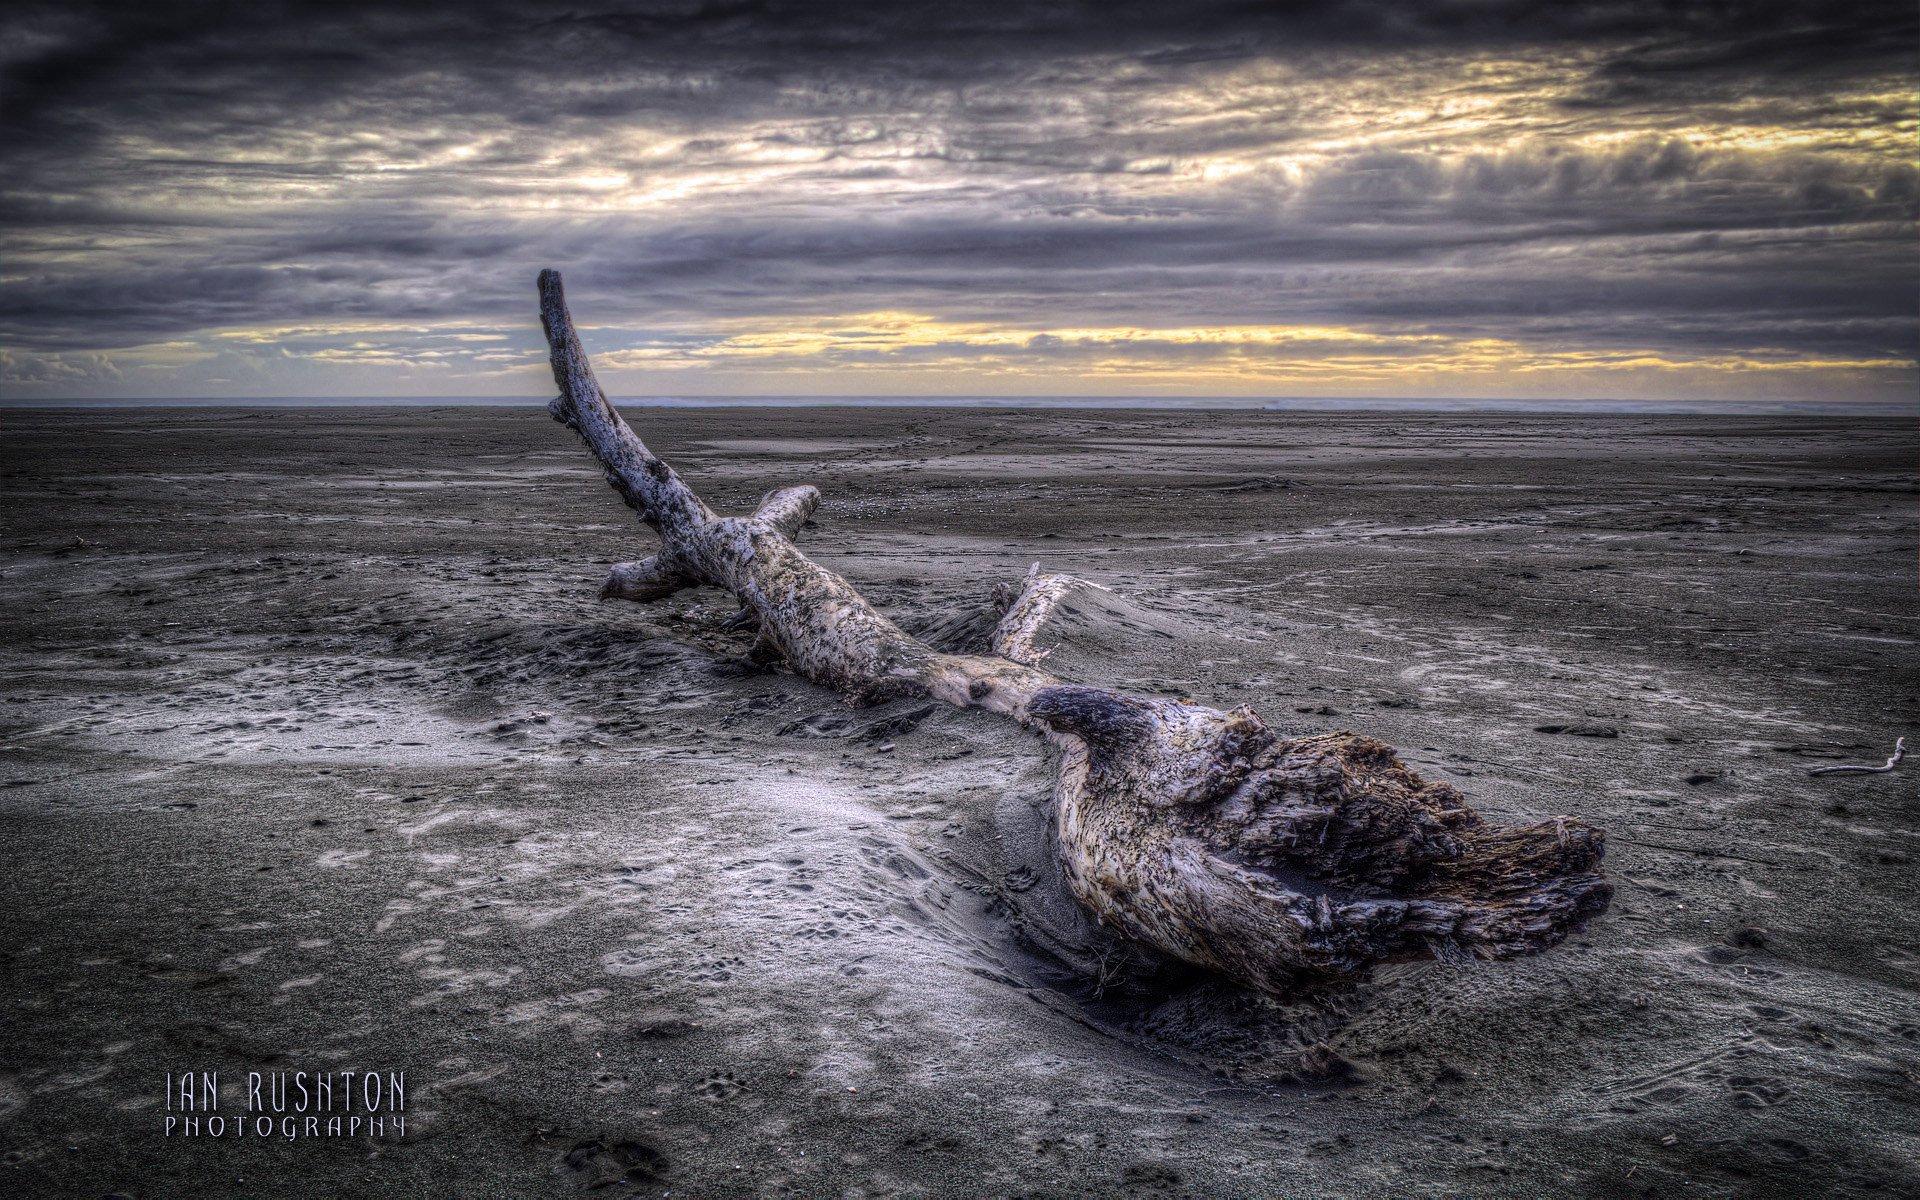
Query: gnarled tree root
[[1199, 832]]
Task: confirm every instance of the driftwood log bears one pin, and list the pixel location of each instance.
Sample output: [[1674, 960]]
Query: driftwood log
[[1202, 833]]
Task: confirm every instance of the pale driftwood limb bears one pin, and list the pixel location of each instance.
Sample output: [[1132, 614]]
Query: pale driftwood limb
[[1025, 613], [1899, 752], [787, 509], [1199, 832], [647, 580], [661, 575]]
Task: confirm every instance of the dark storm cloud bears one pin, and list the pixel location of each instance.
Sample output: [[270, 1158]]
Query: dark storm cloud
[[1712, 182]]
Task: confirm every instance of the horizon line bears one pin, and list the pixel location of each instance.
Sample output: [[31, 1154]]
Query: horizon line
[[1185, 402]]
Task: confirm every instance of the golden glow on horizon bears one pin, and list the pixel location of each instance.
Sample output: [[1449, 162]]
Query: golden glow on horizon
[[1237, 358], [914, 351]]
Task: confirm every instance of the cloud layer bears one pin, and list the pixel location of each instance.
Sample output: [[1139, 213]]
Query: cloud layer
[[1484, 197]]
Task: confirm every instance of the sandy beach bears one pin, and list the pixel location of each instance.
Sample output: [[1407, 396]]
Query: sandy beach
[[320, 754]]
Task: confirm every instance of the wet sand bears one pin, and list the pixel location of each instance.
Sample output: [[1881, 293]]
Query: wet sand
[[320, 753]]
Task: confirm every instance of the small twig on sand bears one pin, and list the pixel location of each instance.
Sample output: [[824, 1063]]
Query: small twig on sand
[[1899, 752]]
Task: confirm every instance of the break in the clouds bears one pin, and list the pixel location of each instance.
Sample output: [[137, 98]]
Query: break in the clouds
[[1479, 197]]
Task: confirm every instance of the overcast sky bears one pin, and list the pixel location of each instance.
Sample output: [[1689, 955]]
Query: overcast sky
[[1484, 198]]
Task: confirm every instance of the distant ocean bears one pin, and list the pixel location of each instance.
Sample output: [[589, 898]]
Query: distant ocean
[[1884, 408]]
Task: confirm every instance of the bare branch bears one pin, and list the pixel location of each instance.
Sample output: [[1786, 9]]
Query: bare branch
[[787, 509], [647, 580], [1027, 612], [648, 485], [655, 578]]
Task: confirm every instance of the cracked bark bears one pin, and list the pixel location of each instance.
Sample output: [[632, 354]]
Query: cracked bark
[[1202, 833]]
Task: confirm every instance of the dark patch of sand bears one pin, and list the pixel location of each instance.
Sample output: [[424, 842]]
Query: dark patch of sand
[[319, 752]]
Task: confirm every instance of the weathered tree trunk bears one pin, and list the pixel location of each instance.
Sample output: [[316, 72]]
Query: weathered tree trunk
[[1199, 832]]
